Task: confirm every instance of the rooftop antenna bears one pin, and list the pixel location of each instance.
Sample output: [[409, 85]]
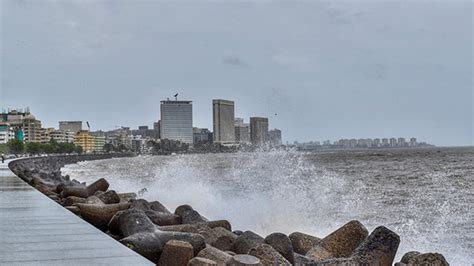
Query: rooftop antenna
[[176, 97]]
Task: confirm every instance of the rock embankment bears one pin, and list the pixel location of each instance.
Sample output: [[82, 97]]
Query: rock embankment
[[186, 237]]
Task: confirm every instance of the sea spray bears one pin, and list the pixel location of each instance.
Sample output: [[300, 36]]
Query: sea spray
[[289, 191]]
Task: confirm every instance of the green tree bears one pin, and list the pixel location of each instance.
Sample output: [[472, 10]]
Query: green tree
[[79, 149], [16, 146], [33, 148]]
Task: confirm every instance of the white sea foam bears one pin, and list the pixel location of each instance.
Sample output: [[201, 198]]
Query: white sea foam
[[289, 191]]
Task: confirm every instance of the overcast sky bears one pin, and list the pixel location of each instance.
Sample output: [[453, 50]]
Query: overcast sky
[[329, 70]]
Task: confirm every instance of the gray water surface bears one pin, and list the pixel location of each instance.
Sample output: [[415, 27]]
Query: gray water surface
[[424, 195]]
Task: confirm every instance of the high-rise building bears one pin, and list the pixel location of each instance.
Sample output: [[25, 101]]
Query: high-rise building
[[413, 142], [385, 142], [393, 142], [73, 126], [31, 128], [274, 137], [376, 142], [242, 131], [62, 136], [223, 121], [177, 121], [258, 130], [156, 128], [401, 142]]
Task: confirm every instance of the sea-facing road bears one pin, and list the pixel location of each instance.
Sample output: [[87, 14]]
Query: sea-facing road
[[35, 230]]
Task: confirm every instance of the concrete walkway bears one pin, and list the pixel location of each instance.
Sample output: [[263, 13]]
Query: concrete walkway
[[35, 230]]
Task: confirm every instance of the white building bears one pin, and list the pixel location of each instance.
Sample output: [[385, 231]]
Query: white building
[[177, 121], [6, 133]]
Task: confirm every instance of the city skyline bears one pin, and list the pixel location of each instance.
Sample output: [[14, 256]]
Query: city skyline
[[341, 69]]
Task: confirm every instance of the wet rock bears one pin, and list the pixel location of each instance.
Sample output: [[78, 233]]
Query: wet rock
[[140, 204], [379, 248], [109, 197], [302, 243], [142, 236], [340, 243], [281, 243], [268, 255], [409, 256], [176, 253], [73, 209], [94, 200], [189, 215], [85, 191], [161, 218], [244, 260], [157, 206], [238, 232], [188, 227], [432, 259], [126, 197], [100, 215], [303, 260], [247, 241], [71, 200], [198, 261], [217, 255], [224, 239]]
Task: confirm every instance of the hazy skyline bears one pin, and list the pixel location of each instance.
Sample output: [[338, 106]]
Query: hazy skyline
[[329, 70]]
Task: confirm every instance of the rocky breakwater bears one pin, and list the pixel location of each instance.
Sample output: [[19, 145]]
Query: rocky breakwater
[[185, 237]]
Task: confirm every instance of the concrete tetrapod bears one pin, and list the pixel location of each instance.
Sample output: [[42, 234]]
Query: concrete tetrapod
[[144, 237], [85, 191]]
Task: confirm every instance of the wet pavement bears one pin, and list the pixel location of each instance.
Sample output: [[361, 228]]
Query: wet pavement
[[35, 230]]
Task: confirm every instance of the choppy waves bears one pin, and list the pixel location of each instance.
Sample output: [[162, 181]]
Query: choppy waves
[[427, 201]]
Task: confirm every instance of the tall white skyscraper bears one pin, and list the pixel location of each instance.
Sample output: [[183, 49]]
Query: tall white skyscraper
[[177, 121], [223, 120]]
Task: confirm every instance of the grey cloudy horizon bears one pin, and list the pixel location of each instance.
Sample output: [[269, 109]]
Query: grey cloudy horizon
[[329, 70]]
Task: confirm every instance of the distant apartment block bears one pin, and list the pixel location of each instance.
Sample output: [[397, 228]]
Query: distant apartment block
[[258, 130], [274, 137], [86, 140], [202, 136], [62, 136], [73, 126], [393, 142], [401, 142], [177, 121], [223, 121], [6, 133]]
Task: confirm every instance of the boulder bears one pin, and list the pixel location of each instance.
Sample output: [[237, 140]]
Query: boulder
[[187, 227], [109, 197], [268, 255], [157, 206], [126, 197], [72, 200], [85, 191], [142, 236], [224, 239], [189, 215], [281, 243], [247, 241], [303, 260], [302, 243], [340, 243], [409, 256], [100, 215], [432, 259], [217, 255], [176, 253], [379, 248], [162, 218], [198, 261], [74, 209], [244, 260]]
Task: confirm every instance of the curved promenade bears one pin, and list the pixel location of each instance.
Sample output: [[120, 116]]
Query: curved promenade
[[35, 230]]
